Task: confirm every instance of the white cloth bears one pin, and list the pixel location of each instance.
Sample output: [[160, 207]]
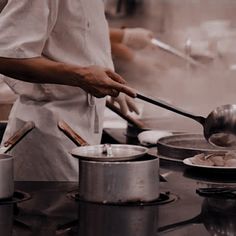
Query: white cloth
[[71, 31], [149, 137]]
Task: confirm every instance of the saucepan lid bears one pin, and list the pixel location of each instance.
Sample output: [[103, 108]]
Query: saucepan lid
[[109, 152]]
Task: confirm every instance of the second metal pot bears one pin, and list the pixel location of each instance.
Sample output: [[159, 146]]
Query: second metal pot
[[119, 182], [6, 176]]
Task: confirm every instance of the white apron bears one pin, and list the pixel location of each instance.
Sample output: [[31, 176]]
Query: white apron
[[70, 31]]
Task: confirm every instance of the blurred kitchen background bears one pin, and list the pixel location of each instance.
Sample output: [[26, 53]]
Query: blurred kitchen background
[[202, 29]]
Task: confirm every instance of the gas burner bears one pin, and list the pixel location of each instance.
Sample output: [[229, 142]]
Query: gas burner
[[18, 196], [218, 192], [164, 198]]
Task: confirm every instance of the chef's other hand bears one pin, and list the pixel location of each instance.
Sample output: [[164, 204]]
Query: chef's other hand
[[125, 103], [137, 38], [100, 82]]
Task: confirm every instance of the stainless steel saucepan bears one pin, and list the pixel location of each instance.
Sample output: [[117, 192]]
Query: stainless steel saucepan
[[219, 126], [117, 178], [7, 162]]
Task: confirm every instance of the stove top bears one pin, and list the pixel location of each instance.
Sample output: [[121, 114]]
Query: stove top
[[164, 198], [53, 209]]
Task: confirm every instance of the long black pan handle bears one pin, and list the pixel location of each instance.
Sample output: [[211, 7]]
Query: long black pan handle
[[170, 107], [136, 123]]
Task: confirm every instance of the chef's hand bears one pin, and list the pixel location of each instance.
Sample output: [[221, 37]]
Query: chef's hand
[[137, 38], [99, 82], [125, 103]]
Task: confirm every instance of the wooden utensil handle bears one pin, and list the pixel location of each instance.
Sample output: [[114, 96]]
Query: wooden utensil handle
[[29, 125], [71, 134], [137, 123]]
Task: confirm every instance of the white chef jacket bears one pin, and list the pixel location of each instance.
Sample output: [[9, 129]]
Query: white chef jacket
[[69, 31]]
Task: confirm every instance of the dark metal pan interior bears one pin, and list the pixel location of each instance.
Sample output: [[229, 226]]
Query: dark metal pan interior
[[181, 146]]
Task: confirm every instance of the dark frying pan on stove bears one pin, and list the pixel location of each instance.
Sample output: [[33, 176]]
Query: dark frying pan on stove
[[134, 126]]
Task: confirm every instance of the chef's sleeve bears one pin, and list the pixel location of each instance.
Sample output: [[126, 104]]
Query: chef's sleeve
[[25, 26]]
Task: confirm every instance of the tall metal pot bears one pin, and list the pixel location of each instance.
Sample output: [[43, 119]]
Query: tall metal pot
[[119, 182]]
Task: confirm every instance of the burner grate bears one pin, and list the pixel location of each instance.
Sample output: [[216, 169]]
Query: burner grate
[[164, 198], [18, 196]]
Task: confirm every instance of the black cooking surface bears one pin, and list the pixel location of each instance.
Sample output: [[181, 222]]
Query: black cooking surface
[[52, 210]]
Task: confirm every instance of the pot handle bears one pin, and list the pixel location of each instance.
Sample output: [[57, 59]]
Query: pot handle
[[16, 137], [71, 134]]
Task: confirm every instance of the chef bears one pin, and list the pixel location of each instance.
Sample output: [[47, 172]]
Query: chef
[[56, 57]]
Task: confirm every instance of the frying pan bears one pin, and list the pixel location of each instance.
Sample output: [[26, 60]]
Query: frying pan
[[219, 126], [104, 152], [136, 123]]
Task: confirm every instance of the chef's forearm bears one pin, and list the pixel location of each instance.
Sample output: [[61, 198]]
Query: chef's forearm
[[116, 35], [40, 70], [121, 51], [95, 80]]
